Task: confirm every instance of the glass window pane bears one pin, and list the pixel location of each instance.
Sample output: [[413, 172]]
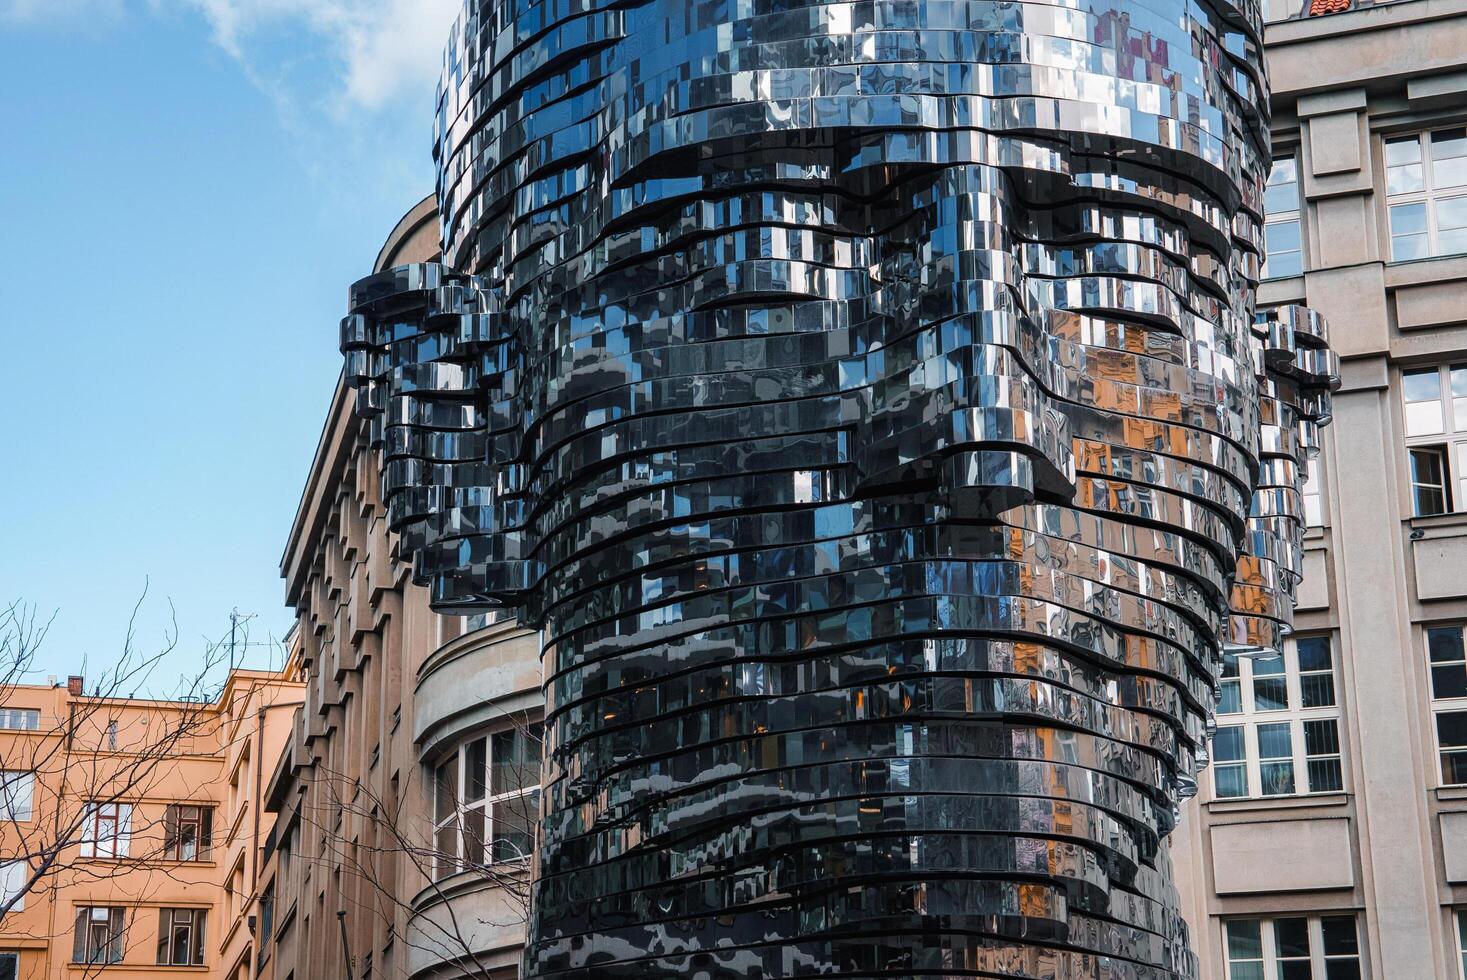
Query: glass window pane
[[1270, 694], [1429, 501], [1459, 382], [1314, 653], [1342, 969], [1280, 265], [1275, 741], [1245, 939], [1246, 971], [446, 794], [1339, 935], [1230, 698], [1317, 690], [1451, 729], [1325, 775], [1277, 778], [1230, 781], [1454, 767], [476, 758], [1291, 937], [1403, 149], [1322, 737], [1404, 248], [514, 835], [474, 835], [1281, 236], [1421, 385], [1449, 681], [1295, 970], [1445, 644], [1282, 190], [1451, 213], [1268, 666], [1227, 744]]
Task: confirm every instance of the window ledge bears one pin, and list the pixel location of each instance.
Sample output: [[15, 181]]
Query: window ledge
[[1451, 792], [1253, 803], [1457, 518]]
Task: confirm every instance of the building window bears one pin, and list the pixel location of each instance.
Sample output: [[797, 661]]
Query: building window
[[1461, 917], [1313, 496], [9, 966], [16, 791], [266, 937], [1282, 230], [108, 830], [19, 720], [1434, 404], [13, 875], [181, 937], [486, 796], [1448, 663], [1426, 178], [1294, 948], [1426, 193], [187, 832], [1278, 728], [101, 932]]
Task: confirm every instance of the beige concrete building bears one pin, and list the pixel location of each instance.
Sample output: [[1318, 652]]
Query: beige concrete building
[[130, 828], [403, 798], [1330, 837]]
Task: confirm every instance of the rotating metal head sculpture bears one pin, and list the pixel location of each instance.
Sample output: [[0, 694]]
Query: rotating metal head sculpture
[[866, 400]]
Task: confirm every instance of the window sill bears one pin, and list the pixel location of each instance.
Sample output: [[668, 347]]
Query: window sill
[[1298, 802], [1456, 518], [1444, 793], [91, 969]]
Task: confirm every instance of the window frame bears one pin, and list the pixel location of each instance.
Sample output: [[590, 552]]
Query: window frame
[[115, 922], [1429, 196], [107, 831], [480, 811], [1295, 216], [196, 923], [1319, 959], [8, 809], [174, 822], [31, 719], [1444, 705], [1250, 719], [1450, 440]]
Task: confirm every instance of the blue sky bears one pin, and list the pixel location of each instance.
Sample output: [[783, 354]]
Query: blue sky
[[187, 187]]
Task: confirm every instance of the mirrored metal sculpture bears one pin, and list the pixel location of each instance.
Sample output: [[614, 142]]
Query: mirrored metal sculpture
[[867, 402]]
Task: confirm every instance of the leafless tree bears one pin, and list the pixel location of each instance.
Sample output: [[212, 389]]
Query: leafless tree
[[429, 838], [78, 772]]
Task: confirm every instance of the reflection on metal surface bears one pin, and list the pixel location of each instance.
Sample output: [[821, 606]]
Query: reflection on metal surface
[[867, 401]]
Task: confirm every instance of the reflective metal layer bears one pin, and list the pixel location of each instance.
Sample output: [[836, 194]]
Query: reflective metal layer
[[866, 400]]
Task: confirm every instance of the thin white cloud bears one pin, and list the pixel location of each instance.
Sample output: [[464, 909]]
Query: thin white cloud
[[381, 50]]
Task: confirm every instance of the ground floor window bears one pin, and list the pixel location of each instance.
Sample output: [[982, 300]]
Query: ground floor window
[[9, 966], [1314, 947]]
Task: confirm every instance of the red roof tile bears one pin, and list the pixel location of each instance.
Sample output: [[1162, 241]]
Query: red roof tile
[[1318, 7]]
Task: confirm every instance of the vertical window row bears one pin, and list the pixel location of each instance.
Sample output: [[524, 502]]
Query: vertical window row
[[1283, 237], [1448, 664]]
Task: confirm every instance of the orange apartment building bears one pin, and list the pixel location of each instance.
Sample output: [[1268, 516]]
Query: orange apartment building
[[149, 814]]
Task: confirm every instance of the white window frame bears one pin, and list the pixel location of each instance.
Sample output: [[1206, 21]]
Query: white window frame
[[17, 795], [107, 832], [20, 719], [1459, 918], [1250, 718], [452, 827], [1441, 706], [13, 875], [1318, 960], [1429, 196], [1294, 216], [1451, 438], [1312, 492]]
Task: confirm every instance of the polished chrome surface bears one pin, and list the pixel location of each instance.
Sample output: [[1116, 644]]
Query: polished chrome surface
[[867, 401]]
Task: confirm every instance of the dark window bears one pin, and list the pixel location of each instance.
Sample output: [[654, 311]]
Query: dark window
[[181, 937], [1430, 492], [101, 933], [187, 832]]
